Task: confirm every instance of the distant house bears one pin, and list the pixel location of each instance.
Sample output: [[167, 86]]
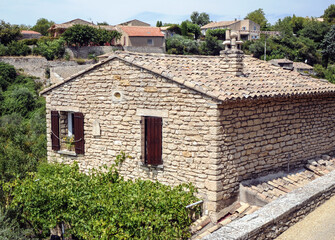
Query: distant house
[[284, 63], [135, 22], [142, 39], [57, 29], [247, 29], [30, 34], [303, 68]]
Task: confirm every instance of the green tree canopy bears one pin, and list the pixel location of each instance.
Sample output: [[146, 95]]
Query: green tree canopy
[[200, 19], [329, 14], [42, 25], [159, 24], [84, 35], [328, 46], [258, 16], [104, 23], [8, 32]]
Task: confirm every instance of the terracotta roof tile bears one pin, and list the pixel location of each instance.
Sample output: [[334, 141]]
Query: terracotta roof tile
[[139, 31], [208, 75], [29, 32]]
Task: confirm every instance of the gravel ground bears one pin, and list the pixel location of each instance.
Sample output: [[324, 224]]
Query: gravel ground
[[318, 225]]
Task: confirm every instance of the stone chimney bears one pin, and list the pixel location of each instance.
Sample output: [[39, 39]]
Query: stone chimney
[[232, 54]]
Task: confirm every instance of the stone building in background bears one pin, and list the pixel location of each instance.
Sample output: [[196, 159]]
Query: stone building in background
[[213, 121]]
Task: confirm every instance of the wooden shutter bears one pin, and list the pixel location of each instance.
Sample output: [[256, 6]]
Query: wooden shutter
[[143, 140], [154, 140], [79, 133], [55, 130]]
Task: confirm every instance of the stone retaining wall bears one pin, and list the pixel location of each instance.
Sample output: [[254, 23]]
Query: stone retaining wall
[[260, 137], [83, 52], [276, 217]]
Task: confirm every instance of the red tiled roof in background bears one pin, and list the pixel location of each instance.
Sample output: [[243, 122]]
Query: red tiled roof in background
[[139, 31], [29, 32]]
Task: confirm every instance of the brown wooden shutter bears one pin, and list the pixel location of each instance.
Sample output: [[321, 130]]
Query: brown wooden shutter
[[143, 140], [55, 130], [79, 133], [154, 140]]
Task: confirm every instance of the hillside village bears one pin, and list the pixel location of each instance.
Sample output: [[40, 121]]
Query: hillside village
[[173, 131]]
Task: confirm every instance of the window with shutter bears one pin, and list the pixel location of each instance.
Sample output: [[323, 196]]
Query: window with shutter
[[67, 131], [55, 130], [152, 140]]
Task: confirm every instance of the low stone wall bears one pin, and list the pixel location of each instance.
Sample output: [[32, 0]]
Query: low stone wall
[[31, 65], [83, 52], [145, 49], [276, 217], [38, 66]]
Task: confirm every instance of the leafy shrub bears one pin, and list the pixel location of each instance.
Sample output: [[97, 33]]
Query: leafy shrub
[[10, 228], [102, 205], [181, 45], [19, 100], [84, 35], [53, 49], [80, 61], [32, 41], [18, 48], [7, 75], [8, 32]]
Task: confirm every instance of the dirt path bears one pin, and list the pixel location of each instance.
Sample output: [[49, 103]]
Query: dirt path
[[318, 225]]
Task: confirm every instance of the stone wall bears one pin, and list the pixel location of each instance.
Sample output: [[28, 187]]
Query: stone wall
[[113, 97], [34, 66], [37, 66], [276, 217], [83, 52], [145, 49], [59, 73], [260, 137]]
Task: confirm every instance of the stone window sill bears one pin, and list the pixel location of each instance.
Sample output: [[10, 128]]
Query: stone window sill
[[66, 152], [149, 166]]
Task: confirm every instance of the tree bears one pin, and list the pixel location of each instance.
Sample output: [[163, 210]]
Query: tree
[[8, 32], [200, 19], [258, 16], [328, 46], [42, 25], [315, 30], [104, 23], [159, 24], [329, 14], [220, 34]]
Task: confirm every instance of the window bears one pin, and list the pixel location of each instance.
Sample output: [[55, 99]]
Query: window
[[151, 140], [150, 42], [255, 28], [243, 28], [65, 126]]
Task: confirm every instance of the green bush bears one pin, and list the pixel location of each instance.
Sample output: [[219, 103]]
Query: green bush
[[102, 205], [15, 48], [9, 228], [50, 49], [32, 41], [7, 75], [181, 45]]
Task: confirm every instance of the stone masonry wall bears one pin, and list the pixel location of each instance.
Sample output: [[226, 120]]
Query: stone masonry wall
[[266, 136], [115, 96]]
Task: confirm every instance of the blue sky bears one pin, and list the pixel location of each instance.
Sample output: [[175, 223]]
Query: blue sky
[[172, 11]]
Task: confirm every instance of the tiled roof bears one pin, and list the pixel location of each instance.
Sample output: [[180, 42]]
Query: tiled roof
[[282, 60], [29, 32], [218, 24], [207, 74], [139, 31], [302, 65]]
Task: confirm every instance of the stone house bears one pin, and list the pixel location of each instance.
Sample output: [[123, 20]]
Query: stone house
[[214, 121], [142, 38], [247, 29], [135, 22], [28, 34]]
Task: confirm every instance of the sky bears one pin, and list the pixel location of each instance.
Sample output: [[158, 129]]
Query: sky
[[170, 11]]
